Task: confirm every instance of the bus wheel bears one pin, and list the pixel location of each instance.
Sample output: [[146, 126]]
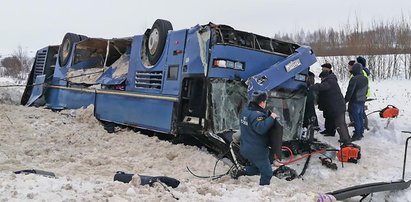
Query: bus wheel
[[157, 40], [66, 47]]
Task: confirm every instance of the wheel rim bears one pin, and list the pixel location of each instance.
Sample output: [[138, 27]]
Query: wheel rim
[[153, 41], [66, 49]]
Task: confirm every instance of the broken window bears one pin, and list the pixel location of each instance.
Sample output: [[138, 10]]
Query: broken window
[[228, 97], [228, 35], [290, 107], [94, 57]]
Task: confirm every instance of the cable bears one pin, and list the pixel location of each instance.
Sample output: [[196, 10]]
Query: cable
[[305, 167], [297, 159], [214, 176], [373, 112], [209, 176], [62, 79], [13, 85], [167, 189], [291, 157]]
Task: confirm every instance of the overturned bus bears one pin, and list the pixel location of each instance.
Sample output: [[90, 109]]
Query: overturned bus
[[187, 82]]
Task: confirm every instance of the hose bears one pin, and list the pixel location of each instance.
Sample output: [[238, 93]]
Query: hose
[[292, 160]]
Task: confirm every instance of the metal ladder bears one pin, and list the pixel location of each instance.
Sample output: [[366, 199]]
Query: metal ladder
[[40, 62]]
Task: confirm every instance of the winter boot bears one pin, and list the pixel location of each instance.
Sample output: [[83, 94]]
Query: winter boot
[[236, 172]]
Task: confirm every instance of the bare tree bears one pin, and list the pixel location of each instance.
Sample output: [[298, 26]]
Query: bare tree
[[18, 64]]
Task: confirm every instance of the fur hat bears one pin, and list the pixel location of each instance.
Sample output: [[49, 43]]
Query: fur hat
[[326, 65], [258, 96]]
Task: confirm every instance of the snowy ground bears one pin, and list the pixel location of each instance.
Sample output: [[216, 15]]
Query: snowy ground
[[74, 146], [10, 95]]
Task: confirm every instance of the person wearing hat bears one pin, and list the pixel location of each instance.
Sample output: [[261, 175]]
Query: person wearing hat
[[255, 123], [326, 67], [331, 102], [355, 96], [328, 120]]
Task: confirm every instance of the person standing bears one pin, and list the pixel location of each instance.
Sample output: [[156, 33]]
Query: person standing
[[355, 96], [331, 101], [349, 108], [255, 123], [310, 117], [328, 118], [366, 72]]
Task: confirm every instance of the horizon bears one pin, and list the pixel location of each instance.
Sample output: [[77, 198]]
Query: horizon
[[33, 29]]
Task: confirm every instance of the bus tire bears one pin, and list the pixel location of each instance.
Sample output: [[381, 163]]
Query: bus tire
[[157, 40], [66, 47]]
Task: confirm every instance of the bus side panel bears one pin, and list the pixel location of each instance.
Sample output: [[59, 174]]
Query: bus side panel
[[64, 98], [196, 52], [136, 65], [172, 79], [255, 61], [148, 113]]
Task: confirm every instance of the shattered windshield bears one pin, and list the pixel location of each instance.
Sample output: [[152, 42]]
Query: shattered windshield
[[290, 108], [228, 97]]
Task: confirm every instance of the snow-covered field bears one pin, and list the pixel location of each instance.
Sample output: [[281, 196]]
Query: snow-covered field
[[84, 157], [10, 95]]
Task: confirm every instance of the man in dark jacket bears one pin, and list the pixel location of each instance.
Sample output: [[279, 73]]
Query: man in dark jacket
[[331, 101], [255, 122], [329, 122], [310, 117], [355, 96]]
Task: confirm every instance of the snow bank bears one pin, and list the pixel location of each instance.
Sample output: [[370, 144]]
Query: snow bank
[[10, 95]]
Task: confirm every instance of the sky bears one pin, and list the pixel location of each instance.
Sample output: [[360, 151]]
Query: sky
[[36, 24]]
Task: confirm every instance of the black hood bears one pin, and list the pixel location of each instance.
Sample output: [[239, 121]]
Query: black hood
[[362, 61], [356, 69]]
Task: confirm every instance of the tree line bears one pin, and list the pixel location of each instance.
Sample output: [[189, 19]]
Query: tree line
[[392, 66], [385, 45]]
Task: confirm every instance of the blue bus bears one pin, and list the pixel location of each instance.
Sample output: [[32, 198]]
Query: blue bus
[[186, 82]]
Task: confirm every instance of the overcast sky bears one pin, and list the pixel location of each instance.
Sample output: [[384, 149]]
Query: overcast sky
[[34, 24]]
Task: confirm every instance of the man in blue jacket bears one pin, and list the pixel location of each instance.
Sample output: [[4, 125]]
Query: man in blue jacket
[[255, 122], [355, 96]]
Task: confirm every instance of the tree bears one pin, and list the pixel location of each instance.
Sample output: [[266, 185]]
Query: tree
[[18, 64]]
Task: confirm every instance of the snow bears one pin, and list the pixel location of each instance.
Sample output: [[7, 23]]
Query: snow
[[84, 157], [10, 95]]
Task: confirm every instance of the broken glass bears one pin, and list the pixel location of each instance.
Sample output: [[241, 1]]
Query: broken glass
[[228, 97], [290, 107]]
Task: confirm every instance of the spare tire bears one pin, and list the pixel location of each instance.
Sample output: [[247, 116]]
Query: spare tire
[[157, 40], [66, 47]]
